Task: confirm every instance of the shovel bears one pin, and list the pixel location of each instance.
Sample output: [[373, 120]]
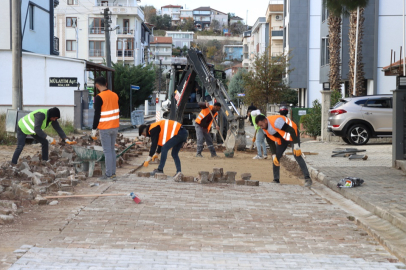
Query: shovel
[[229, 151], [253, 140]]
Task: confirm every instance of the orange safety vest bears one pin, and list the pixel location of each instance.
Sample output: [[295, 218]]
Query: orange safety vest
[[203, 113], [285, 135], [109, 117], [169, 129]]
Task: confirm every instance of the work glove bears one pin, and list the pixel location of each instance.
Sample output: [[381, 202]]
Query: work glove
[[50, 140], [146, 163], [94, 131], [70, 142], [254, 139], [275, 161], [296, 150], [155, 156]]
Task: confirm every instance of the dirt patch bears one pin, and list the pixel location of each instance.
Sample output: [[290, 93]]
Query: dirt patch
[[241, 163], [7, 151]]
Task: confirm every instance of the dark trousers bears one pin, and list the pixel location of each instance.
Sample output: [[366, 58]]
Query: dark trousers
[[280, 149], [175, 143], [21, 143]]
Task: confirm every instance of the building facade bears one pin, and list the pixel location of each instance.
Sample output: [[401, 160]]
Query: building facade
[[259, 38], [204, 16], [161, 49], [236, 19], [80, 28], [233, 52], [185, 14], [173, 11], [180, 39], [274, 17], [246, 42]]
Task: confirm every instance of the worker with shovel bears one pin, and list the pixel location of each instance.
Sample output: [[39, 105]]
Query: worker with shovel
[[203, 126], [259, 137], [280, 132], [165, 134], [34, 124]]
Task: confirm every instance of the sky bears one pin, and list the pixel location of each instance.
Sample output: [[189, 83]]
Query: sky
[[256, 8]]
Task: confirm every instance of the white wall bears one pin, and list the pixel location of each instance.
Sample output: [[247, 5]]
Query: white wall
[[37, 69], [5, 25], [390, 34], [37, 40], [314, 86]]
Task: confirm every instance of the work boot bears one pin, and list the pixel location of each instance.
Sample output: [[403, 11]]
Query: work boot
[[308, 182], [214, 155], [199, 155], [276, 181], [178, 177], [257, 157], [104, 178], [113, 177], [156, 171]]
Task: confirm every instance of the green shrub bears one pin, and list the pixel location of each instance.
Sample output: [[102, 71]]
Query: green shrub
[[335, 97], [66, 125], [312, 121], [4, 137]]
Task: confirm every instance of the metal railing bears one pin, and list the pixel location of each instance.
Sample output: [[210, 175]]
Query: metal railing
[[127, 53], [111, 4], [56, 44], [96, 30], [96, 53], [125, 31], [277, 33]]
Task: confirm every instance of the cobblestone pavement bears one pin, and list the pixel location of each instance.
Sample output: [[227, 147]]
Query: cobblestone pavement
[[60, 258], [206, 226]]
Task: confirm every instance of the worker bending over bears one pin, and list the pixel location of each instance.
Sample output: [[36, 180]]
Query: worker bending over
[[282, 131], [33, 124], [107, 120], [165, 134], [203, 126]]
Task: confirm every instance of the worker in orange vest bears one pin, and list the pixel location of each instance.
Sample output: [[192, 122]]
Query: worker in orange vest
[[165, 134], [281, 132], [107, 120], [203, 125]]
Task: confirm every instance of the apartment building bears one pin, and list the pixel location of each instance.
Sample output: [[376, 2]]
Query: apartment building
[[233, 52], [80, 28], [203, 17], [274, 17], [161, 49], [259, 37], [246, 42], [174, 11], [186, 13], [180, 38]]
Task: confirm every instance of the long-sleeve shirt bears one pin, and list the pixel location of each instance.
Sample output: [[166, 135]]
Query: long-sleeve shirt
[[98, 102], [205, 122], [39, 118], [154, 134]]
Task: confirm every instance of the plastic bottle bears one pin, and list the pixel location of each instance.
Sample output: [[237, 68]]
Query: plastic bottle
[[135, 198]]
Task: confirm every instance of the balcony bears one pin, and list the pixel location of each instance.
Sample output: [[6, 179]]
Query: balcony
[[125, 31], [119, 7], [277, 34], [96, 53], [56, 44], [96, 30], [127, 53]]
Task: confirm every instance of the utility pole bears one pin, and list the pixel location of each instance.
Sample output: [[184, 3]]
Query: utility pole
[[160, 76], [16, 52], [77, 38], [107, 22]]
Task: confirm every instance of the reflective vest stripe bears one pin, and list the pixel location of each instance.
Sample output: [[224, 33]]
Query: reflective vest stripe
[[165, 132], [201, 116], [27, 126], [286, 136], [173, 129], [110, 112], [109, 118], [31, 122]]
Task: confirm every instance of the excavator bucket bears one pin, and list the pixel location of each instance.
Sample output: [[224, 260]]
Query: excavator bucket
[[230, 144]]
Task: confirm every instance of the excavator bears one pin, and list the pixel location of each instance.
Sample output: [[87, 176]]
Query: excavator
[[183, 79]]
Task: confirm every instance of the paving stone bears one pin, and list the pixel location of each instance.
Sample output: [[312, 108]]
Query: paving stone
[[240, 182], [6, 219], [161, 176], [251, 183], [245, 176], [203, 177]]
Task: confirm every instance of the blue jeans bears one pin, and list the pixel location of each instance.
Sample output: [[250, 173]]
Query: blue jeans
[[175, 143], [260, 141], [21, 143], [108, 141]]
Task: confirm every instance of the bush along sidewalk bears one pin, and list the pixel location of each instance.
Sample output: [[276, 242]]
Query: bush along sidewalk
[[312, 121]]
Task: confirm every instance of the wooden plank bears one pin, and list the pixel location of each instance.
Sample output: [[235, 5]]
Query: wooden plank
[[86, 195], [304, 153]]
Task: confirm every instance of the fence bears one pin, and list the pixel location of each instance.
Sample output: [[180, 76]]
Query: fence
[[137, 117]]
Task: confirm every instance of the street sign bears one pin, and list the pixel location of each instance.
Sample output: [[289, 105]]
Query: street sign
[[241, 95], [135, 87]]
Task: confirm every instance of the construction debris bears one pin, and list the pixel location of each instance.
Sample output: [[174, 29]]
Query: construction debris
[[350, 153]]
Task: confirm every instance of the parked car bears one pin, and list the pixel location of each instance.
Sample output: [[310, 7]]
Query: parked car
[[357, 119]]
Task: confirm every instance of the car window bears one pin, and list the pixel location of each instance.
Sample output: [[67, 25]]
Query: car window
[[382, 103], [360, 102], [340, 103]]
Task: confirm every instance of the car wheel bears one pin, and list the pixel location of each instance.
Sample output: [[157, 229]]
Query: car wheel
[[346, 140], [358, 134]]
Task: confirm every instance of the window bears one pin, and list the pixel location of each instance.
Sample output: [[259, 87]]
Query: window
[[72, 2], [71, 45], [185, 44], [71, 21], [31, 15], [382, 103], [96, 48], [96, 26], [325, 54], [324, 14], [360, 102]]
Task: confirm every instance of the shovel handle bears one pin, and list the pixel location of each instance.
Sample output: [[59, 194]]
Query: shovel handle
[[215, 122]]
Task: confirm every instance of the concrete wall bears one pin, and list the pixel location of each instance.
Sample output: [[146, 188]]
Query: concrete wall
[[220, 38], [37, 69], [5, 25]]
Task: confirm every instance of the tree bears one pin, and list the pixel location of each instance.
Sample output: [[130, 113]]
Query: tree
[[176, 51], [149, 12], [161, 22], [264, 83], [289, 96], [237, 28], [237, 85], [166, 22], [125, 76], [215, 25], [188, 24]]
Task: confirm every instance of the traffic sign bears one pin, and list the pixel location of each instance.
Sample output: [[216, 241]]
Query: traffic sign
[[135, 87], [241, 95]]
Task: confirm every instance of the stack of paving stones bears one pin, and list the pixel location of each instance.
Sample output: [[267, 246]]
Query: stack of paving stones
[[31, 178], [205, 177]]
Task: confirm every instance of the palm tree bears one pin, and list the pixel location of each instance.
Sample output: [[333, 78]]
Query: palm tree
[[335, 9]]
